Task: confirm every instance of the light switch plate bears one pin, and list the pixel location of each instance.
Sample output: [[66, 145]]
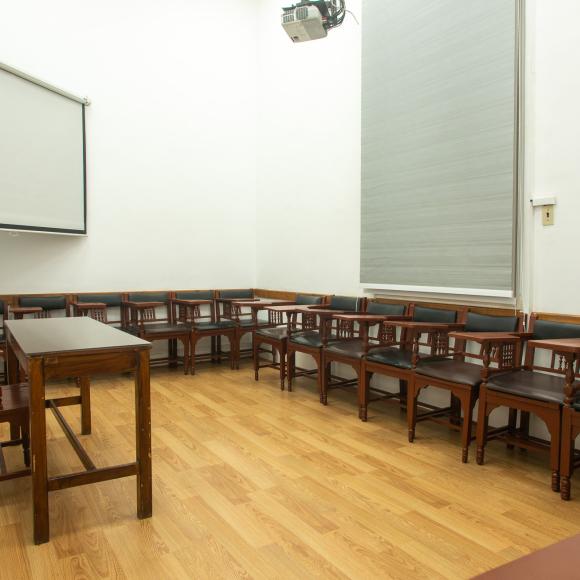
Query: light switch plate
[[548, 215]]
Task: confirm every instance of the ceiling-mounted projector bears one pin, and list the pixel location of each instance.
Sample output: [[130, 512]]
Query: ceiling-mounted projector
[[312, 19]]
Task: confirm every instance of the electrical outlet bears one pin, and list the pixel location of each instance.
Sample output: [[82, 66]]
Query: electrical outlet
[[548, 215]]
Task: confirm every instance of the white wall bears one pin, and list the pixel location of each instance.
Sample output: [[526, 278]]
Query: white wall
[[309, 157], [171, 142]]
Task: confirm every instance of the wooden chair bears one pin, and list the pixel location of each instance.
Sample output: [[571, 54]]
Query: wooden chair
[[538, 387], [351, 351], [275, 334], [149, 316], [188, 308], [225, 310], [568, 458], [45, 306], [99, 307], [311, 341], [448, 369], [14, 410], [397, 359]]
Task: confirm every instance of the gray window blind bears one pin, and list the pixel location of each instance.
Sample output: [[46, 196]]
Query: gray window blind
[[440, 145]]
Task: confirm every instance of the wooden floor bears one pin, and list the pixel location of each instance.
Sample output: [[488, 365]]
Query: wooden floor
[[255, 483]]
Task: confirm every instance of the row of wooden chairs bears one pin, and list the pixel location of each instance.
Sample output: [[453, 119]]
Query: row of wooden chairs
[[474, 354]]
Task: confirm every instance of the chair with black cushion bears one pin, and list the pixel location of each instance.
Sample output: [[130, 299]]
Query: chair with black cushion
[[323, 330], [485, 338], [225, 310], [148, 315], [197, 309], [275, 334], [538, 387], [98, 307], [397, 360], [40, 307], [14, 410], [351, 351], [568, 458]]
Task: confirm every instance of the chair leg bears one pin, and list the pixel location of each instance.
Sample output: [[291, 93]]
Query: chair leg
[[234, 351], [455, 418], [256, 354], [324, 372], [186, 348], [567, 454], [218, 341], [482, 424], [403, 395], [213, 349], [363, 394], [14, 430], [192, 347], [412, 395], [291, 357], [512, 425], [282, 353], [26, 443], [554, 427], [467, 408]]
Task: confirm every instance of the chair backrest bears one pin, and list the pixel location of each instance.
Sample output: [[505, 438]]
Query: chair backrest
[[132, 316], [49, 304], [434, 315], [245, 293], [551, 326], [111, 300], [386, 308], [148, 297], [308, 299], [490, 323], [195, 295], [348, 303]]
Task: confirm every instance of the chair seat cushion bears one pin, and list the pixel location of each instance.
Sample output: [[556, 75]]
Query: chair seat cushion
[[309, 338], [531, 385], [221, 325], [163, 327], [453, 371], [278, 333], [245, 322], [351, 348], [391, 356]]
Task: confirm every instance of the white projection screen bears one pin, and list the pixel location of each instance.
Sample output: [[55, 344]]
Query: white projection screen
[[42, 156]]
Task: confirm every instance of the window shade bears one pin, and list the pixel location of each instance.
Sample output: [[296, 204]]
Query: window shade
[[439, 145]]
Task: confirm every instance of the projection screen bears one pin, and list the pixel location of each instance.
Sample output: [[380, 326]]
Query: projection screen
[[42, 156]]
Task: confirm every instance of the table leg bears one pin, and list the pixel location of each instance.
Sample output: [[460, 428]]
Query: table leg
[[13, 366], [38, 449], [85, 385], [143, 428]]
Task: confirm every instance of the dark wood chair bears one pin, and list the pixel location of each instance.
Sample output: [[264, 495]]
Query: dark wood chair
[[3, 311], [45, 306], [275, 334], [197, 309], [496, 342], [14, 410], [225, 310], [323, 329], [104, 307], [570, 430], [149, 316], [538, 387], [397, 359], [351, 351]]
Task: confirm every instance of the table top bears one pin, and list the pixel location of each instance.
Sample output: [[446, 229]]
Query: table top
[[41, 336], [321, 311], [562, 560], [25, 309], [132, 304], [192, 302], [88, 305], [413, 324], [486, 336], [561, 344], [372, 318]]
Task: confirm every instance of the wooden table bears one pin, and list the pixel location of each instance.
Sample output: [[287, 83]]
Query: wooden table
[[20, 311], [560, 561], [59, 348]]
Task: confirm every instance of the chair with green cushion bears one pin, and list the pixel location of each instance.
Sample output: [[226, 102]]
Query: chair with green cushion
[[148, 315], [462, 378], [226, 311], [45, 306], [276, 336], [200, 314], [396, 361], [538, 388], [98, 306], [351, 351], [322, 329]]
